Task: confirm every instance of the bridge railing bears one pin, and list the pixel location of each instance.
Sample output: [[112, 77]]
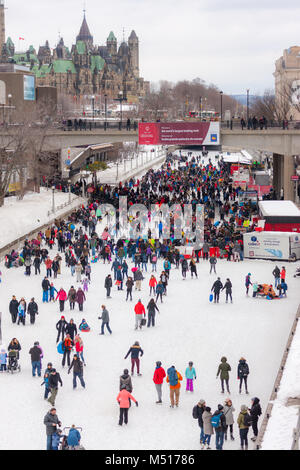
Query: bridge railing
[[236, 124], [90, 125]]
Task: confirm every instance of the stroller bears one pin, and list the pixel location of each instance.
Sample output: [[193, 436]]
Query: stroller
[[64, 443], [297, 273], [13, 365]]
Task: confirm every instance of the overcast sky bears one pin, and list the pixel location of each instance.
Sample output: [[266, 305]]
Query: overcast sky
[[231, 43]]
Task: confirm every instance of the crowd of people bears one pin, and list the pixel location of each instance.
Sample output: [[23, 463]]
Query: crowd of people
[[75, 245]]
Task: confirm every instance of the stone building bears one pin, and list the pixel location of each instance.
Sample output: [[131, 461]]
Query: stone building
[[287, 82], [87, 69]]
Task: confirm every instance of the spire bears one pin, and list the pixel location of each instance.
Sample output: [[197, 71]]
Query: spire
[[84, 33], [133, 35]]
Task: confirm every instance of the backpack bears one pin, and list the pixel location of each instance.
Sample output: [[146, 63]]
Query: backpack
[[247, 420], [195, 412], [215, 420], [173, 377]]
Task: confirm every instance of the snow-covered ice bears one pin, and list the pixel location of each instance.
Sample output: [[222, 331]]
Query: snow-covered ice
[[188, 328]]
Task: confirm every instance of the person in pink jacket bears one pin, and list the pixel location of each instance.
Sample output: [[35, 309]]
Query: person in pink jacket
[[62, 296], [79, 347], [123, 400]]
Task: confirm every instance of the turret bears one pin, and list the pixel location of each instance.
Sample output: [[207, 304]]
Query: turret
[[133, 43]]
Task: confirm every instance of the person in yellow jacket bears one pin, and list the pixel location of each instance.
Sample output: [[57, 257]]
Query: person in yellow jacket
[[174, 378]]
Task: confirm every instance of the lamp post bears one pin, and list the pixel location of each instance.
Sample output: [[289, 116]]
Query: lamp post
[[93, 106], [121, 98], [105, 111], [247, 106], [53, 202], [200, 106], [221, 96], [9, 103], [69, 184]]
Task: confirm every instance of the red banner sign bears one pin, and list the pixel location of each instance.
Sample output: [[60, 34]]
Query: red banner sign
[[179, 133]]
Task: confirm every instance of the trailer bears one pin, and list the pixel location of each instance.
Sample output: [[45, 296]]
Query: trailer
[[283, 246]]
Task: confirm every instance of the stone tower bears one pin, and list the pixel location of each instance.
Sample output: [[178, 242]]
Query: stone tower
[[2, 24], [84, 34], [112, 44], [133, 44]]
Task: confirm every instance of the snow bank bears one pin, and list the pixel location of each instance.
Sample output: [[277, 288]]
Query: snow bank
[[17, 218]]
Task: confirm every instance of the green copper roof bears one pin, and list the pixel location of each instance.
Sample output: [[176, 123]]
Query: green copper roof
[[97, 63], [41, 71], [80, 46], [63, 66], [111, 37], [9, 42]]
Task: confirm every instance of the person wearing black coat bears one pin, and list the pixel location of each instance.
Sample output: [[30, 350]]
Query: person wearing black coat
[[216, 288], [242, 373], [61, 326], [37, 264], [13, 308], [228, 290], [54, 379], [108, 285], [77, 366], [129, 287], [200, 408], [32, 309], [221, 429], [255, 412], [51, 422], [71, 329], [35, 354], [151, 307]]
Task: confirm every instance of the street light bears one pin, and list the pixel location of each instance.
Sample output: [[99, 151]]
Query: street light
[[247, 106], [200, 105], [53, 203], [121, 98], [9, 103], [93, 105], [105, 111], [221, 95], [69, 184]]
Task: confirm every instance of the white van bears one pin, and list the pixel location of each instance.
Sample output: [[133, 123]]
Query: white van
[[272, 245]]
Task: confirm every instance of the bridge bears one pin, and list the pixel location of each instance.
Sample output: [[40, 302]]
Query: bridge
[[283, 143]]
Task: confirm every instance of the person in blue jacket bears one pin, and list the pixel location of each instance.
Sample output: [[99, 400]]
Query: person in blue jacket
[[159, 291], [190, 374], [74, 437]]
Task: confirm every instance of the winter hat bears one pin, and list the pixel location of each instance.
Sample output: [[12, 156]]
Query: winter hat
[[62, 316], [53, 370], [244, 408], [208, 409], [36, 343], [201, 402], [220, 407], [125, 372], [158, 363], [123, 386]]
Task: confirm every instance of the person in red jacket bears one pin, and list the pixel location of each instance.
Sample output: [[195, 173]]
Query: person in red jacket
[[62, 297], [152, 284], [158, 378], [139, 310], [123, 400], [282, 274]]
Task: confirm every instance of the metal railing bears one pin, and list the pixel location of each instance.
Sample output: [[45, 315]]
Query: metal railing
[[283, 125], [90, 125]]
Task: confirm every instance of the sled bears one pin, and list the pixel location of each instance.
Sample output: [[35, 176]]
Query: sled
[[211, 298]]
